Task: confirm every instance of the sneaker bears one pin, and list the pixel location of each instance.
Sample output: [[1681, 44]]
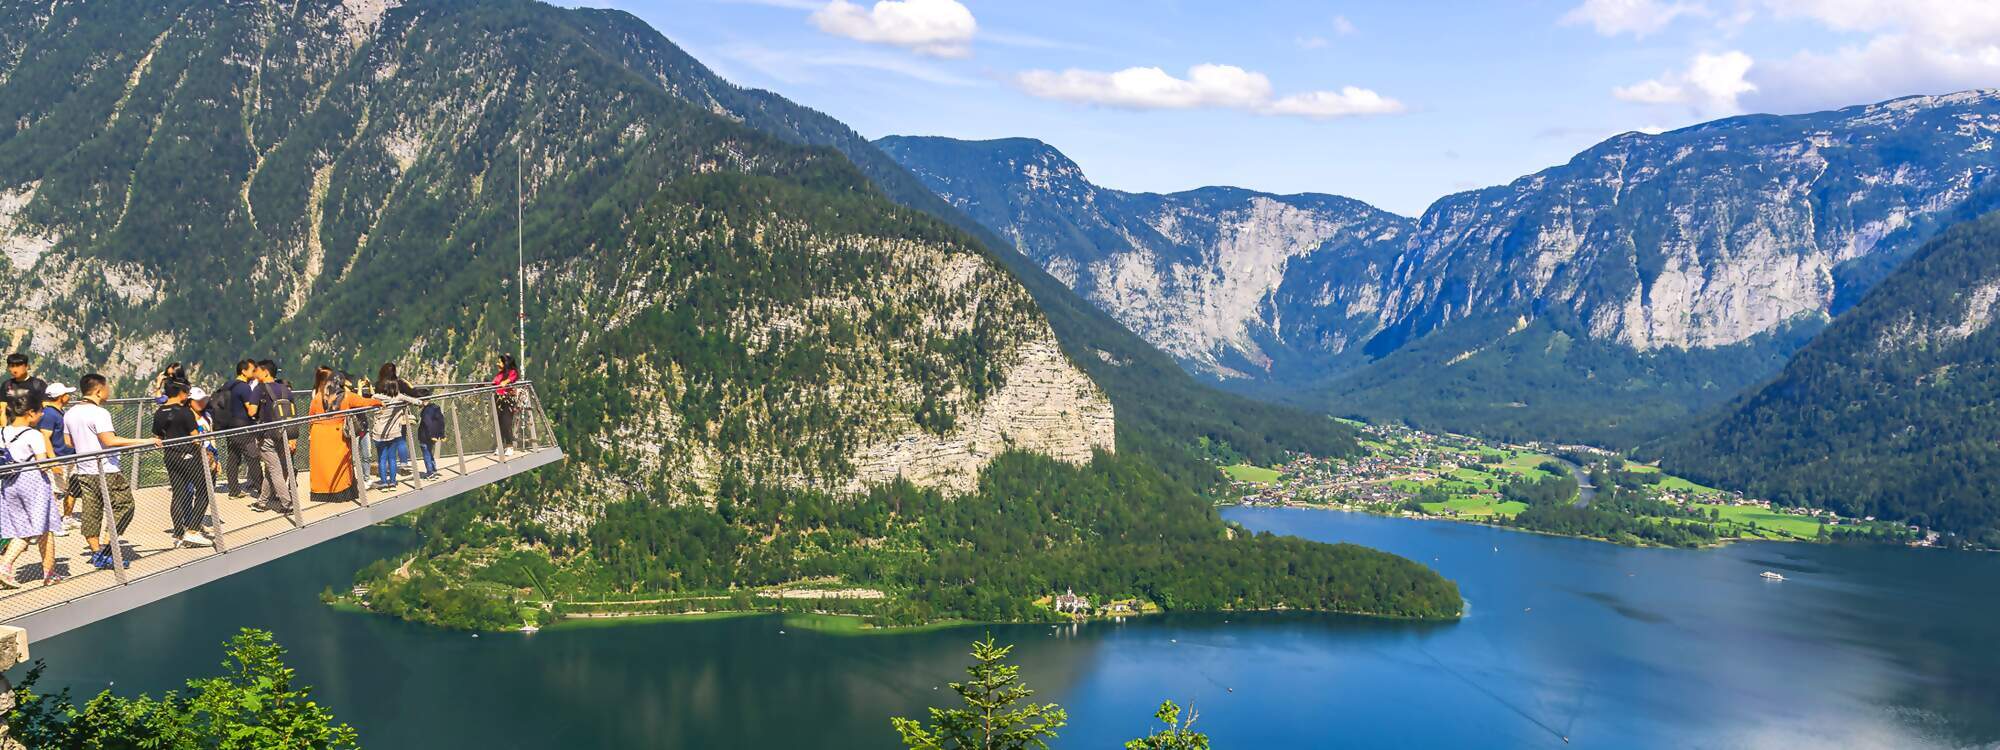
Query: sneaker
[[260, 507], [66, 530], [100, 561], [195, 539], [7, 580]]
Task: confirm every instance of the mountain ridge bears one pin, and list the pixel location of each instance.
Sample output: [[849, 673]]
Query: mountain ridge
[[1802, 213]]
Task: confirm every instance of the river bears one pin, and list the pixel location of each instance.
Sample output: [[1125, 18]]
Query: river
[[1612, 647]]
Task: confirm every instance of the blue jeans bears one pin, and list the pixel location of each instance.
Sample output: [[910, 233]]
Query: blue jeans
[[388, 455], [430, 461]]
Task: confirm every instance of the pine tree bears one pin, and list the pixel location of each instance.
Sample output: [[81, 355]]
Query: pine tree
[[997, 715], [1177, 735]]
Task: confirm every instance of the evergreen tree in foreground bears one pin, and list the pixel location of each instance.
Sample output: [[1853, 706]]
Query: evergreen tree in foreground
[[253, 707], [995, 716], [1177, 735]]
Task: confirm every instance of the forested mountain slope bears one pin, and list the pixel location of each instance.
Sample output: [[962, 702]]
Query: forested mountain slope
[[1893, 411], [1685, 265], [726, 311]]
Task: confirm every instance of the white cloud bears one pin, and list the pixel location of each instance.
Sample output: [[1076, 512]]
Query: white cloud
[[1342, 26], [943, 28], [1915, 47], [1711, 85], [1953, 22], [1636, 17], [1886, 67], [1207, 86], [1347, 102]]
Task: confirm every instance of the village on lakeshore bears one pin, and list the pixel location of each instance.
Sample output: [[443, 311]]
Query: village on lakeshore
[[1413, 473]]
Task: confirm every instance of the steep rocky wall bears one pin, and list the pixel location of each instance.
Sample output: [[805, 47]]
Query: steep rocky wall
[[1047, 406]]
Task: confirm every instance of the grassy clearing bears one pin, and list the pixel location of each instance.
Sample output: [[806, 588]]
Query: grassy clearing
[[1477, 506], [1804, 527], [1252, 474]]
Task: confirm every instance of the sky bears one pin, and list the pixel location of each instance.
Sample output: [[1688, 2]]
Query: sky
[[1393, 103]]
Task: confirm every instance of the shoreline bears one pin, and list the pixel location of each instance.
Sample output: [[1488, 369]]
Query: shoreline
[[1720, 543]]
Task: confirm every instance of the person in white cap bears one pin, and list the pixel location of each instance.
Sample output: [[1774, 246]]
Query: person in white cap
[[54, 402]]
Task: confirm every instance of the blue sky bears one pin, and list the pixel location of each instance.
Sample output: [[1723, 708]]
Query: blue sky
[[1394, 103]]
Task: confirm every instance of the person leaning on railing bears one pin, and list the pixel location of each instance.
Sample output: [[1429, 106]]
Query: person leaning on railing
[[505, 403], [91, 431], [28, 511], [331, 464]]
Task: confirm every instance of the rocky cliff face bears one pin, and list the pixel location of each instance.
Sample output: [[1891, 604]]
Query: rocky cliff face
[[333, 181], [1706, 236], [1206, 275], [1726, 237]]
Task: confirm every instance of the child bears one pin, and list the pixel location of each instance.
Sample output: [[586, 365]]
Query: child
[[430, 432]]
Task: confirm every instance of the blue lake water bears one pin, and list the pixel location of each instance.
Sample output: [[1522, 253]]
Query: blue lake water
[[1611, 647]]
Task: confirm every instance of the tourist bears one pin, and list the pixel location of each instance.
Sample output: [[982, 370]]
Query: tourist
[[430, 432], [20, 382], [27, 496], [233, 409], [392, 446], [54, 402], [505, 403], [172, 373], [332, 461], [90, 429], [189, 504], [272, 405], [204, 422]]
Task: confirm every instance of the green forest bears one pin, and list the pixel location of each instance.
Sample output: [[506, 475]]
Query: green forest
[[1894, 412]]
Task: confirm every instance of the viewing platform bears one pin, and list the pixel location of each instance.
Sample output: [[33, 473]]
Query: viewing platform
[[470, 457]]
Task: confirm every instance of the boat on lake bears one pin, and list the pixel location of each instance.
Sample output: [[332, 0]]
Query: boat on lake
[[1770, 576]]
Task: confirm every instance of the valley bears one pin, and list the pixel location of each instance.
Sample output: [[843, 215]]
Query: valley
[[1651, 443], [1567, 490]]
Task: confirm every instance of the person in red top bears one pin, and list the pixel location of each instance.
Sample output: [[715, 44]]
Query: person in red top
[[505, 402]]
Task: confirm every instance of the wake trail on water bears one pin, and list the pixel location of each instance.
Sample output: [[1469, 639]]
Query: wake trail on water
[[1523, 713]]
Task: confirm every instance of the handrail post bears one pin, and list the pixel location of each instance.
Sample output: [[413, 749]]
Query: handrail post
[[110, 522], [457, 437], [416, 455], [290, 478], [354, 447], [138, 429], [208, 490], [525, 402], [499, 440]]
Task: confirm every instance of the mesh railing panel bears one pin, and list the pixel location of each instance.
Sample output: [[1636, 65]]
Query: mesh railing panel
[[181, 486]]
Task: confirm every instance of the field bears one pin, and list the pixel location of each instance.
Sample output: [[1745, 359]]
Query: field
[[1773, 525], [1252, 474], [1477, 506]]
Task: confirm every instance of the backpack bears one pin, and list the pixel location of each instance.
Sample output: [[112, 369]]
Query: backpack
[[7, 456], [282, 407], [223, 406]]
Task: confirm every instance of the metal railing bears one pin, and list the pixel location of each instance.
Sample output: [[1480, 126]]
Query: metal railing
[[166, 490]]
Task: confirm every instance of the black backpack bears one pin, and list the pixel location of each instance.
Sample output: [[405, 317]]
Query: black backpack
[[223, 406], [282, 407]]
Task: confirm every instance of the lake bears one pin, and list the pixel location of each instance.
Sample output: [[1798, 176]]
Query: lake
[[1609, 646]]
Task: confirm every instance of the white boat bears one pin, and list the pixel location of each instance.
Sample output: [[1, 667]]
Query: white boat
[[1770, 576]]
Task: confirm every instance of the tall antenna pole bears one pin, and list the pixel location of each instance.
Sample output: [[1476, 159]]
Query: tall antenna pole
[[520, 260]]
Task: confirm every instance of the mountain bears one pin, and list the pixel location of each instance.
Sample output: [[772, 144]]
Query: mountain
[[750, 326], [1891, 412], [1708, 253], [1210, 276]]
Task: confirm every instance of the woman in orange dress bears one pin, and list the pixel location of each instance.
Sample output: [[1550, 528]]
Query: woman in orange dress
[[332, 458]]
